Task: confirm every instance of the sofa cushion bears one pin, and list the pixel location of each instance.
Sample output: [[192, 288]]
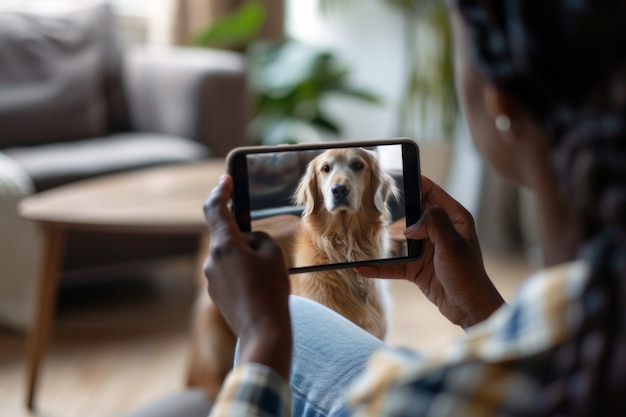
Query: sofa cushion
[[52, 75], [51, 165]]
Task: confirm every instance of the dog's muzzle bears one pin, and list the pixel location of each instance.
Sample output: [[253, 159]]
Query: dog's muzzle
[[340, 194]]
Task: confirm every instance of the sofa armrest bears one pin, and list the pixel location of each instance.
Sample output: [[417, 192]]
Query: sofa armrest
[[194, 93], [19, 249]]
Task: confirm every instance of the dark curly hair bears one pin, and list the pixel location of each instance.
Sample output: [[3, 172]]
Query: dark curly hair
[[566, 61]]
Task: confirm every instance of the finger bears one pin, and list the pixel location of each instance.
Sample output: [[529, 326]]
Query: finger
[[417, 231], [262, 242], [222, 225], [441, 231], [434, 195], [393, 271]]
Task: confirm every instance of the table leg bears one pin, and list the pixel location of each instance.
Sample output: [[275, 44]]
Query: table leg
[[53, 250]]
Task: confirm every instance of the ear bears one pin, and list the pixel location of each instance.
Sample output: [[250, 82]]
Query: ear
[[497, 102], [383, 187], [386, 191], [306, 192]]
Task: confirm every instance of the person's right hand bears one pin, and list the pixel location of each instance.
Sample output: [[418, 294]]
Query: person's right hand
[[249, 284], [451, 272]]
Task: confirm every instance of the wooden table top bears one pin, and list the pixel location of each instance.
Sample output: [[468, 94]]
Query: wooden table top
[[166, 198]]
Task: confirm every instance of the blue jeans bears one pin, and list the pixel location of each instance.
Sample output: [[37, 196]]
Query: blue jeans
[[329, 353]]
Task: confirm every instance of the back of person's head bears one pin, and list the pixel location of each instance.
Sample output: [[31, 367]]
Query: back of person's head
[[566, 62]]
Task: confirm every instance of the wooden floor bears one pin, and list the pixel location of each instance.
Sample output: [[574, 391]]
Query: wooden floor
[[120, 344]]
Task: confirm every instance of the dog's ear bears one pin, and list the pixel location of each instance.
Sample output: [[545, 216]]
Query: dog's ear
[[383, 188], [306, 192]]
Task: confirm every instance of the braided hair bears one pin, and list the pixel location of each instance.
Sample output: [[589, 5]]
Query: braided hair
[[566, 61]]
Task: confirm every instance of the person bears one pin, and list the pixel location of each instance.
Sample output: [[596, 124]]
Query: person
[[543, 88]]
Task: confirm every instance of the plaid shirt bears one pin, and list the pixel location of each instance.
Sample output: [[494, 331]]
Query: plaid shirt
[[494, 370]]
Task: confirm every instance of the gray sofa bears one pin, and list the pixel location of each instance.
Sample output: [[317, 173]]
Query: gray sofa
[[75, 104]]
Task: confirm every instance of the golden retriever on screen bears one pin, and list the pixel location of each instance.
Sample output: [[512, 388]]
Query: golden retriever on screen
[[345, 196]]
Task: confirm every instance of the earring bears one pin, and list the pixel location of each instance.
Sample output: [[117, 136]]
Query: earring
[[503, 124]]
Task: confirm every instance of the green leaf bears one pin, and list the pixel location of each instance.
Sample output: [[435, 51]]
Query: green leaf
[[326, 124], [234, 30], [284, 67], [290, 81], [359, 94]]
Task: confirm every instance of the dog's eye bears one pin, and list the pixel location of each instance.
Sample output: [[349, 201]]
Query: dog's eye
[[357, 166], [326, 168]]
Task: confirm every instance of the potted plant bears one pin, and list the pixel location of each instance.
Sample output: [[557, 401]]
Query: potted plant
[[289, 80]]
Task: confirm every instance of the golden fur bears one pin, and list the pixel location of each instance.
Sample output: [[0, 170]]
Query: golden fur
[[349, 228], [348, 225]]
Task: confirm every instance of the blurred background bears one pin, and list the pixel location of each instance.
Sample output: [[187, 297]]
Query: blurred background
[[142, 83]]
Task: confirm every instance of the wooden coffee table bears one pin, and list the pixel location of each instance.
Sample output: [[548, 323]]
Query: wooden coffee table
[[167, 199]]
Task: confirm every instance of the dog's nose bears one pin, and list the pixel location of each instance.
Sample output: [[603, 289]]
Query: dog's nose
[[340, 190]]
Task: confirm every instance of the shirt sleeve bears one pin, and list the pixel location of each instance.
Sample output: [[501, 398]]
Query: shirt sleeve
[[253, 389], [500, 367]]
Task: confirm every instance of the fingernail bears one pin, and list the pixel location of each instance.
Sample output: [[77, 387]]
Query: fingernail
[[411, 229], [223, 177], [365, 271]]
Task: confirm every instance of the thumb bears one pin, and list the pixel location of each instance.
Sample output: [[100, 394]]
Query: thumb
[[262, 242], [435, 225]]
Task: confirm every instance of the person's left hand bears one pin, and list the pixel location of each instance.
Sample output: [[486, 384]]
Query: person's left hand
[[248, 282]]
